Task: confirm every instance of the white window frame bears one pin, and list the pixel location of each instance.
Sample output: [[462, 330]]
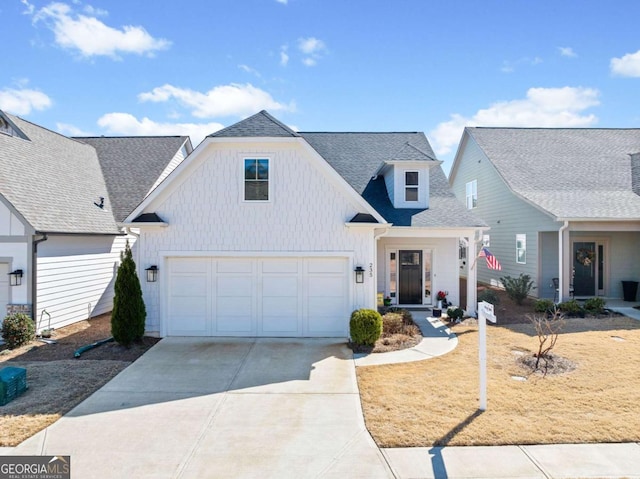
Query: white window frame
[[521, 248], [416, 187], [243, 180], [471, 194], [486, 241]]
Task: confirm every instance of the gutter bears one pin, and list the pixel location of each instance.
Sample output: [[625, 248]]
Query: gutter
[[34, 274]]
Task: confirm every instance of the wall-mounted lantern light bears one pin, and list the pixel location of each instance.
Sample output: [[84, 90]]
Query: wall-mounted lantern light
[[15, 277], [152, 274], [359, 274]]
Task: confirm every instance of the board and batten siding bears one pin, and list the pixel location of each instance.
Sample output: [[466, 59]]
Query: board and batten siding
[[76, 277], [206, 213], [507, 215], [10, 224]]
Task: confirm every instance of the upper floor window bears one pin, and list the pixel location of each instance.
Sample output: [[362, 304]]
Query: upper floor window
[[472, 194], [256, 179], [411, 186]]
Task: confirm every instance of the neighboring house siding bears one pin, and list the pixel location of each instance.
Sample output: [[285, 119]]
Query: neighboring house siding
[[306, 214], [76, 277], [548, 263], [506, 214]]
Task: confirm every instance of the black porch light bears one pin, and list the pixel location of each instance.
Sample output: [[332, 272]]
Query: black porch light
[[152, 274], [359, 274], [15, 277]]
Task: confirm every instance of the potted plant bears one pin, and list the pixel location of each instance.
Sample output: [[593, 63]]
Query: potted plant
[[387, 301], [441, 297]]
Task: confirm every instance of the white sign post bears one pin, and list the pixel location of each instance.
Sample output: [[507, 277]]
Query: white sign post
[[485, 311]]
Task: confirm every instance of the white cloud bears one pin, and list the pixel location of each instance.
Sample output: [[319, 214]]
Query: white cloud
[[223, 100], [567, 52], [248, 69], [284, 2], [510, 66], [542, 107], [127, 124], [29, 7], [96, 12], [627, 66], [313, 48], [22, 101], [72, 130], [284, 56], [91, 37]]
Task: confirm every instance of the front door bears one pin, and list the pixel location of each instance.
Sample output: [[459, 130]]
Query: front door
[[584, 267], [410, 280]]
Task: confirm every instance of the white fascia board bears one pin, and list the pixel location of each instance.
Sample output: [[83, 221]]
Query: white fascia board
[[144, 225], [368, 225], [462, 145], [341, 183], [408, 164], [444, 232]]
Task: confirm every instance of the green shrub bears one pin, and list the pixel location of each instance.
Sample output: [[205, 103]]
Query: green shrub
[[544, 306], [17, 330], [365, 327], [517, 288], [455, 313], [129, 312], [595, 305], [571, 308], [490, 296]]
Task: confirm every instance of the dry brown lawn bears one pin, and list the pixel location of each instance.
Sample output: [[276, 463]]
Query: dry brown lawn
[[435, 402], [57, 382]]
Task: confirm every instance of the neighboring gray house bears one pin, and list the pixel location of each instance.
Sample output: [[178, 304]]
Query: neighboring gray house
[[264, 231], [561, 203], [59, 227]]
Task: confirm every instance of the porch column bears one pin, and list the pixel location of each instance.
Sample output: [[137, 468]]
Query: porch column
[[563, 268], [472, 280]]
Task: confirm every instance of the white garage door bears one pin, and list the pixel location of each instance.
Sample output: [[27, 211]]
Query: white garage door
[[4, 290], [258, 297]]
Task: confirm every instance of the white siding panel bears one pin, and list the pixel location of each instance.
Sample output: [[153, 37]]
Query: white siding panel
[[4, 289]]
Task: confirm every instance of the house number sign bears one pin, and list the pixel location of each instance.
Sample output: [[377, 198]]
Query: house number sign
[[370, 270]]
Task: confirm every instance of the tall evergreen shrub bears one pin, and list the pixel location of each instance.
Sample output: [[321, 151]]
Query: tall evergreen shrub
[[129, 312]]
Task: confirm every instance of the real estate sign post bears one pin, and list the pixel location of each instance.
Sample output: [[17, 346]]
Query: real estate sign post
[[485, 311]]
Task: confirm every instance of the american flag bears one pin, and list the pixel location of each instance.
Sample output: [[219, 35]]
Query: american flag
[[492, 261]]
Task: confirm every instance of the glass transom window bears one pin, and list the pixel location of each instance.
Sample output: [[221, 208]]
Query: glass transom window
[[256, 179]]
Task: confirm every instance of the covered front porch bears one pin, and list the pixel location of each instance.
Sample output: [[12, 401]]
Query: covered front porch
[[413, 267], [589, 259]]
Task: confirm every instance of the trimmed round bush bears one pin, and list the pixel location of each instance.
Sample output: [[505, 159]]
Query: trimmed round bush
[[455, 313], [544, 306], [365, 327], [572, 308], [17, 330], [490, 296], [595, 305], [407, 318]]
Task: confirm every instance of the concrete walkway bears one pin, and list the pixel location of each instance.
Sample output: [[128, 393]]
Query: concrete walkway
[[235, 408]]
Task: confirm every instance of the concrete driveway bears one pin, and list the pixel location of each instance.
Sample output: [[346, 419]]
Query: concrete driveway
[[222, 408]]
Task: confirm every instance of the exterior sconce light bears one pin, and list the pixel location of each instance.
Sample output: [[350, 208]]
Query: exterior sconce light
[[15, 277], [359, 274], [152, 274]]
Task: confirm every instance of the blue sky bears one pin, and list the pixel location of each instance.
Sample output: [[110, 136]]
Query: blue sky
[[148, 67]]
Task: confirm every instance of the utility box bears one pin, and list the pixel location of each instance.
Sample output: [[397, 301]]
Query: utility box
[[13, 382]]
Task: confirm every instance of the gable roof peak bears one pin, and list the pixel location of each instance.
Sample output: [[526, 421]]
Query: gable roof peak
[[262, 124]]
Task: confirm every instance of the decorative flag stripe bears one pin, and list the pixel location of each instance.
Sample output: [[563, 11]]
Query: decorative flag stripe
[[492, 261]]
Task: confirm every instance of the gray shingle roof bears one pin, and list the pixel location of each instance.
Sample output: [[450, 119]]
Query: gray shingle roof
[[261, 124], [571, 173], [358, 157], [131, 166], [54, 181]]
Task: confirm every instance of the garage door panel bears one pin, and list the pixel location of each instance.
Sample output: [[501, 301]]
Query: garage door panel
[[300, 296], [280, 286]]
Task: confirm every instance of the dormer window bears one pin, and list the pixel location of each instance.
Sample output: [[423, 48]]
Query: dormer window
[[6, 128], [411, 186]]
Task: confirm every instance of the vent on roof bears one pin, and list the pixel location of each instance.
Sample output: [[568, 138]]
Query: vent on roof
[[101, 204], [635, 173]]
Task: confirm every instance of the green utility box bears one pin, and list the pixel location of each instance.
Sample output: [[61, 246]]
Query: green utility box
[[13, 382]]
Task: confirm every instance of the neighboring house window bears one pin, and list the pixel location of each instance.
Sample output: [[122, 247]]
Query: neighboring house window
[[521, 249], [256, 179], [411, 186], [472, 194], [486, 241]]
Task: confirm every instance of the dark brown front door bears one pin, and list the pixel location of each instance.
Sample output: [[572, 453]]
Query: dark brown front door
[[410, 281]]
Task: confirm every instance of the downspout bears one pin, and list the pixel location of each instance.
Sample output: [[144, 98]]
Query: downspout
[[561, 261], [34, 275]]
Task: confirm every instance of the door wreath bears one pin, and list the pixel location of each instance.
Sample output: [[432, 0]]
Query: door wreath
[[585, 256]]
